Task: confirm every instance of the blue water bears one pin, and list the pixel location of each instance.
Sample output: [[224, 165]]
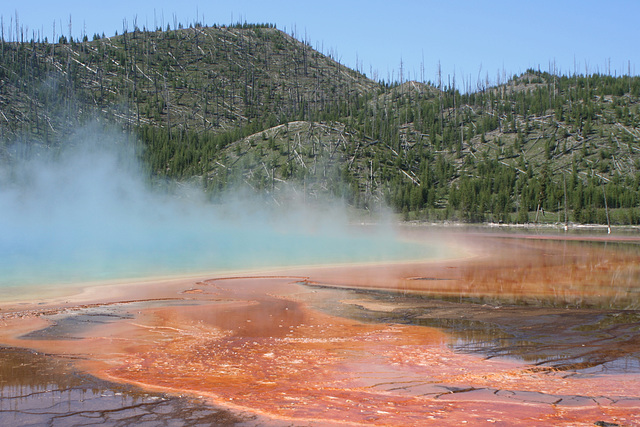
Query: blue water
[[87, 213], [68, 254]]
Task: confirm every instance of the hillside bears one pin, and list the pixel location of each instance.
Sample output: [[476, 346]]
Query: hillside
[[252, 106], [198, 78]]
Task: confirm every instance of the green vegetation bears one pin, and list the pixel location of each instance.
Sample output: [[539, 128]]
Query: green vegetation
[[250, 105]]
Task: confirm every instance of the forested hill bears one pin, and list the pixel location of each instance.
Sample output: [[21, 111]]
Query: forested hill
[[250, 105]]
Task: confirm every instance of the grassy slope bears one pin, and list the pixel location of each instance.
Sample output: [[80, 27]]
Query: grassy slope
[[256, 106]]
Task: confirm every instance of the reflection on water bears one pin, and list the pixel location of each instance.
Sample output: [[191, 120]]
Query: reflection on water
[[288, 346], [38, 390], [617, 366], [73, 324], [540, 272], [558, 337], [547, 301]]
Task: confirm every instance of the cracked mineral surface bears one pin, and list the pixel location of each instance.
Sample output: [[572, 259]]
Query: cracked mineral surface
[[41, 390], [522, 331]]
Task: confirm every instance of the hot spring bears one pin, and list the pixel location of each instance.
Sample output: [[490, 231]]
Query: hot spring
[[293, 312], [86, 212]]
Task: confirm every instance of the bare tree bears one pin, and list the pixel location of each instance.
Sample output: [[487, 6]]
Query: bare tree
[[2, 35]]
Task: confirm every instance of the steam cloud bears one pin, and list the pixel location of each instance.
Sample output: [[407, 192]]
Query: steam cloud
[[86, 212]]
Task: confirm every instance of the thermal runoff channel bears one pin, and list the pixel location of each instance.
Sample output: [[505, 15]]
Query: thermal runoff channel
[[87, 211]]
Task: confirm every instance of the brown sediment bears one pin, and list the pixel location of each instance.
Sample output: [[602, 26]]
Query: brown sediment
[[515, 269], [37, 389], [349, 345]]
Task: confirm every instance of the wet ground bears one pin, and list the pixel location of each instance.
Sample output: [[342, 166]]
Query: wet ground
[[525, 332], [43, 390]]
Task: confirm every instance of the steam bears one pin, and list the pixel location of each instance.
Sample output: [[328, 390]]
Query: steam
[[86, 211]]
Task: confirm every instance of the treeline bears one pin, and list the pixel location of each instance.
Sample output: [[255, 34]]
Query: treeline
[[209, 79], [515, 153], [531, 149]]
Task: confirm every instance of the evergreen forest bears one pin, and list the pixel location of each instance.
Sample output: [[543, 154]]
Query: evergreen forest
[[252, 106]]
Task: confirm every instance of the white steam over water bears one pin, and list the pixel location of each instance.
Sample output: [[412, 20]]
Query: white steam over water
[[86, 212]]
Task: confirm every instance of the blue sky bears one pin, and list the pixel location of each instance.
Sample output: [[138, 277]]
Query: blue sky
[[472, 40]]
